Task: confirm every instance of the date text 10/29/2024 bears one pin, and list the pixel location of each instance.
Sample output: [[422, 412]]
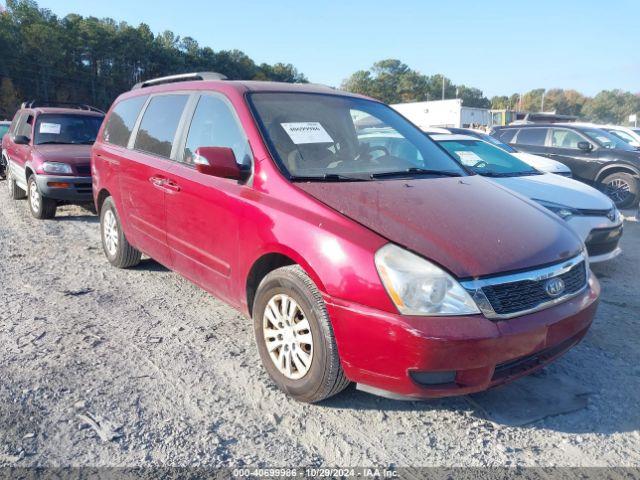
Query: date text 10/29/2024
[[312, 472]]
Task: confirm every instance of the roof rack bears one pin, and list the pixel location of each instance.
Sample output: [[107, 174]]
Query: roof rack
[[182, 77], [55, 104]]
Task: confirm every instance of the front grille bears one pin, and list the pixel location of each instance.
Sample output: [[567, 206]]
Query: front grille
[[83, 169], [83, 187], [594, 213], [603, 240], [510, 298]]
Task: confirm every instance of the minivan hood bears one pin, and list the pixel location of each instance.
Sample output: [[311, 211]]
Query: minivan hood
[[71, 154], [468, 225], [557, 189]]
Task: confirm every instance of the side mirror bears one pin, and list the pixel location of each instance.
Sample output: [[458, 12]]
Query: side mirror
[[217, 162], [585, 146], [21, 140]]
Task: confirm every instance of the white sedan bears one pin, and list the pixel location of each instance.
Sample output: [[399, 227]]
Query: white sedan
[[589, 212], [536, 161]]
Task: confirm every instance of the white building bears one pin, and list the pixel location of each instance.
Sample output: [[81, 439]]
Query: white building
[[444, 113]]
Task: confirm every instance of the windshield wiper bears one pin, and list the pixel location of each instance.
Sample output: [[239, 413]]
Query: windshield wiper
[[53, 142], [327, 177], [415, 171]]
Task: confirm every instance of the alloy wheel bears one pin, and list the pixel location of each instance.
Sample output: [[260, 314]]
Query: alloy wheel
[[618, 190], [110, 233], [287, 335], [34, 197]]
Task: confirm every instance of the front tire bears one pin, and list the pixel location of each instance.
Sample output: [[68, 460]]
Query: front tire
[[116, 247], [295, 338], [41, 207], [623, 188]]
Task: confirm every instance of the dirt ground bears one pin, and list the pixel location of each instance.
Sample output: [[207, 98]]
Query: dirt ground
[[107, 367]]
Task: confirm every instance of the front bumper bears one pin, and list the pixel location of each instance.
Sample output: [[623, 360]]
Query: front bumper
[[389, 352], [600, 235], [63, 188]]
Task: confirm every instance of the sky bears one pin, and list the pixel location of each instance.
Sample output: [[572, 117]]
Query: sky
[[499, 46]]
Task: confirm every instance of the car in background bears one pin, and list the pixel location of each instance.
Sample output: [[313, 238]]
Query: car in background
[[628, 134], [540, 163], [588, 211], [47, 152], [389, 265], [4, 128], [594, 156]]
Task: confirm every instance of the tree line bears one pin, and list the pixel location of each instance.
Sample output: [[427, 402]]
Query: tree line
[[91, 60], [394, 82]]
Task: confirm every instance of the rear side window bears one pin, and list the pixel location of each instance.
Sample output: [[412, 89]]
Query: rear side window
[[215, 125], [532, 136], [159, 124], [562, 138], [506, 135], [123, 117]]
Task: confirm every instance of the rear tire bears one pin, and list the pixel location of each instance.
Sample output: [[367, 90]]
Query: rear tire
[[15, 192], [116, 247], [300, 324], [41, 207], [623, 188]]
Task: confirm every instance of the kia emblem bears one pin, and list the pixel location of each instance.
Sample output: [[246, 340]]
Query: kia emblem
[[554, 287]]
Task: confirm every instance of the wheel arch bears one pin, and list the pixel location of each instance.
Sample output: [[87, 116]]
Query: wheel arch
[[269, 262], [617, 168], [100, 198]]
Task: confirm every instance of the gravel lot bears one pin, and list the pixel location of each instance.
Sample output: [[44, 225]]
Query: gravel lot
[[170, 376]]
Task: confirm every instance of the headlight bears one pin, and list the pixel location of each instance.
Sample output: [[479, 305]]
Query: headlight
[[56, 167], [562, 211], [418, 287]]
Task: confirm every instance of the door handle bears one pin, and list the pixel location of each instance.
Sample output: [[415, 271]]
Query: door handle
[[157, 181], [171, 185], [165, 184]]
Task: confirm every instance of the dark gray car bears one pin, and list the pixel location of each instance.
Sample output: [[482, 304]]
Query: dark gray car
[[593, 155]]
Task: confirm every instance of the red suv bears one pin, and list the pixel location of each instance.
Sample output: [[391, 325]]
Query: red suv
[[360, 257], [47, 151]]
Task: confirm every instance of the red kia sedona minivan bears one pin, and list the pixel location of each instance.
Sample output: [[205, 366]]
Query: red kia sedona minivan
[[362, 251]]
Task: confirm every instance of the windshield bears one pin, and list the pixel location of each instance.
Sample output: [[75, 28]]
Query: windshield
[[606, 140], [328, 137], [623, 135], [3, 129], [487, 160], [66, 129]]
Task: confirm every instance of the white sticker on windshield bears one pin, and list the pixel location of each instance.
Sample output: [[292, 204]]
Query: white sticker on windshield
[[306, 132], [52, 128], [604, 140], [468, 158]]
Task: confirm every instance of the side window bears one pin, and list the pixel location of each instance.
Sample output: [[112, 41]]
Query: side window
[[159, 124], [123, 117], [532, 136], [215, 125], [25, 126], [506, 135], [562, 138]]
